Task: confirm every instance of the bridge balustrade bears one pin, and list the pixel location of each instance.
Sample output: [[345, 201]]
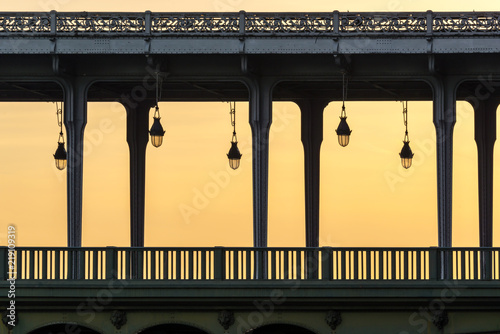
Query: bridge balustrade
[[239, 264]]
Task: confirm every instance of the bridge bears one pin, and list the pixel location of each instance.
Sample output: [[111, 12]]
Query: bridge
[[260, 58]]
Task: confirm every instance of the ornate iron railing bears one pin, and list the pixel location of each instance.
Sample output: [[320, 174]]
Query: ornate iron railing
[[216, 264], [250, 24]]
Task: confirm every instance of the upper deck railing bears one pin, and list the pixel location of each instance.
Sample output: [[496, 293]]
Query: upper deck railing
[[241, 24], [240, 264]]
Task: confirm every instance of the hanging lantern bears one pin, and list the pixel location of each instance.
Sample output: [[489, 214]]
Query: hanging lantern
[[343, 130], [406, 154], [156, 130], [60, 156], [234, 154]]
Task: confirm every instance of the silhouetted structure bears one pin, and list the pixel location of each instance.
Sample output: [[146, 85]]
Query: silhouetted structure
[[258, 57]]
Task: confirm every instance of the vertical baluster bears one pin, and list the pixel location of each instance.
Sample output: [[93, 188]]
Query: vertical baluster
[[406, 265], [393, 264], [31, 253], [57, 264], [95, 265], [165, 264], [152, 264], [419, 265], [380, 265], [299, 264], [176, 269], [369, 265], [286, 265], [343, 259], [476, 265], [356, 263], [273, 264], [191, 264], [236, 265]]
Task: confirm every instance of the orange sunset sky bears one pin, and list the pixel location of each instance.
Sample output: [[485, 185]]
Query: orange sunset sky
[[192, 196]]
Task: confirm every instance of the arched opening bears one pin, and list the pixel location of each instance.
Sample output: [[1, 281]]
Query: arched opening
[[64, 328], [172, 328], [281, 329]]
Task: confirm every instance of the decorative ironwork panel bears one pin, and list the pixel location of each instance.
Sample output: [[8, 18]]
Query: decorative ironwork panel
[[290, 24], [24, 23], [97, 23], [253, 24], [383, 23], [195, 23], [466, 23]]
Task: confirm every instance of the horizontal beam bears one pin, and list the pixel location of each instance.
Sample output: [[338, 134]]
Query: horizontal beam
[[109, 44]]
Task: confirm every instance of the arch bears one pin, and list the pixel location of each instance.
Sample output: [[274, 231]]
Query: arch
[[281, 329], [63, 329], [172, 329]]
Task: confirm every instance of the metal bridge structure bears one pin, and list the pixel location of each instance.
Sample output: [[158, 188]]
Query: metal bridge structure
[[259, 58]]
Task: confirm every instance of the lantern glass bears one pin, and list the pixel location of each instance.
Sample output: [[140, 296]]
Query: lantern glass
[[234, 163], [60, 163], [343, 140], [406, 162], [156, 141]]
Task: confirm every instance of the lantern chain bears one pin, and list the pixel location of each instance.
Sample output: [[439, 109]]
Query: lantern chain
[[405, 120], [232, 112], [345, 82], [59, 122], [158, 95]]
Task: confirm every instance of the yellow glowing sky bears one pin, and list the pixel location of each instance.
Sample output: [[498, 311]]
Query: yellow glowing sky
[[194, 199]]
